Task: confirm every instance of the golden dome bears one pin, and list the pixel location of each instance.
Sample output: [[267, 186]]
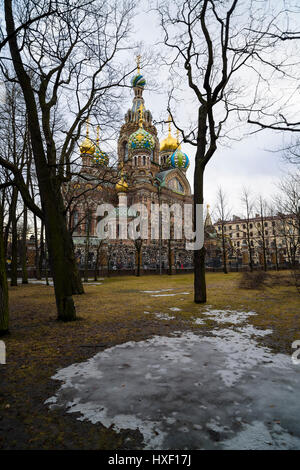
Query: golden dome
[[121, 186], [169, 143], [87, 145]]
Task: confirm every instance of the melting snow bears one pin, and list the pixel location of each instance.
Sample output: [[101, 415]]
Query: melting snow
[[164, 316], [170, 388]]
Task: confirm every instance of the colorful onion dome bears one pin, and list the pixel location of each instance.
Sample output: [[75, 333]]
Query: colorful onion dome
[[87, 145], [100, 157], [178, 159], [169, 143], [141, 139], [138, 80]]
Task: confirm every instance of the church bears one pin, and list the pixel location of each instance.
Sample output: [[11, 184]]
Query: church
[[149, 172]]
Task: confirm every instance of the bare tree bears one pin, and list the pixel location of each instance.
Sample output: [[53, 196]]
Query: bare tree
[[223, 216], [262, 227], [66, 64], [287, 203], [213, 42], [248, 205]]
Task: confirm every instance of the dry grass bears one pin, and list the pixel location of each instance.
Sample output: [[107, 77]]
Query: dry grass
[[109, 314]]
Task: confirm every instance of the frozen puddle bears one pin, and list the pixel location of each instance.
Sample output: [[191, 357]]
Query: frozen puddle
[[190, 392]]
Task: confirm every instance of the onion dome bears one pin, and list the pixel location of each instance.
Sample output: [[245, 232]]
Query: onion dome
[[169, 143], [100, 157], [121, 186], [87, 146], [141, 139], [178, 159], [138, 80]]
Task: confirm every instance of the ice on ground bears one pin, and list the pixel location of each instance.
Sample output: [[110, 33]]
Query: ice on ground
[[39, 281], [175, 309], [170, 295], [163, 295], [242, 353], [164, 316], [228, 316], [261, 436], [190, 391], [155, 291], [198, 321], [43, 282]]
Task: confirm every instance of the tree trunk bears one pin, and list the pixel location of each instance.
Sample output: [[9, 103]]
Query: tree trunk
[[24, 248], [42, 249], [249, 247], [61, 255], [14, 240], [199, 255], [4, 312], [37, 254], [77, 286], [224, 251]]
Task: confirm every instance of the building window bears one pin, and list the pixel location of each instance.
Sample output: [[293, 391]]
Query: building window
[[237, 244], [266, 224], [251, 225], [238, 227], [238, 235]]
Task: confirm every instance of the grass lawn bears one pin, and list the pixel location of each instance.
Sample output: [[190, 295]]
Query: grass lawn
[[109, 314]]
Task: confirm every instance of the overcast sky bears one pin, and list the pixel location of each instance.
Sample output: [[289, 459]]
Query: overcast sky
[[254, 162]]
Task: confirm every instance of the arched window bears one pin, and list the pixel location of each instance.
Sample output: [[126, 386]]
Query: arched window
[[144, 160], [175, 185]]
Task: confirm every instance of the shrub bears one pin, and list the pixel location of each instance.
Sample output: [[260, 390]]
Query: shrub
[[254, 280]]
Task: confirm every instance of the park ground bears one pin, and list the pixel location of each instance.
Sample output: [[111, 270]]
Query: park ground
[[112, 312]]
